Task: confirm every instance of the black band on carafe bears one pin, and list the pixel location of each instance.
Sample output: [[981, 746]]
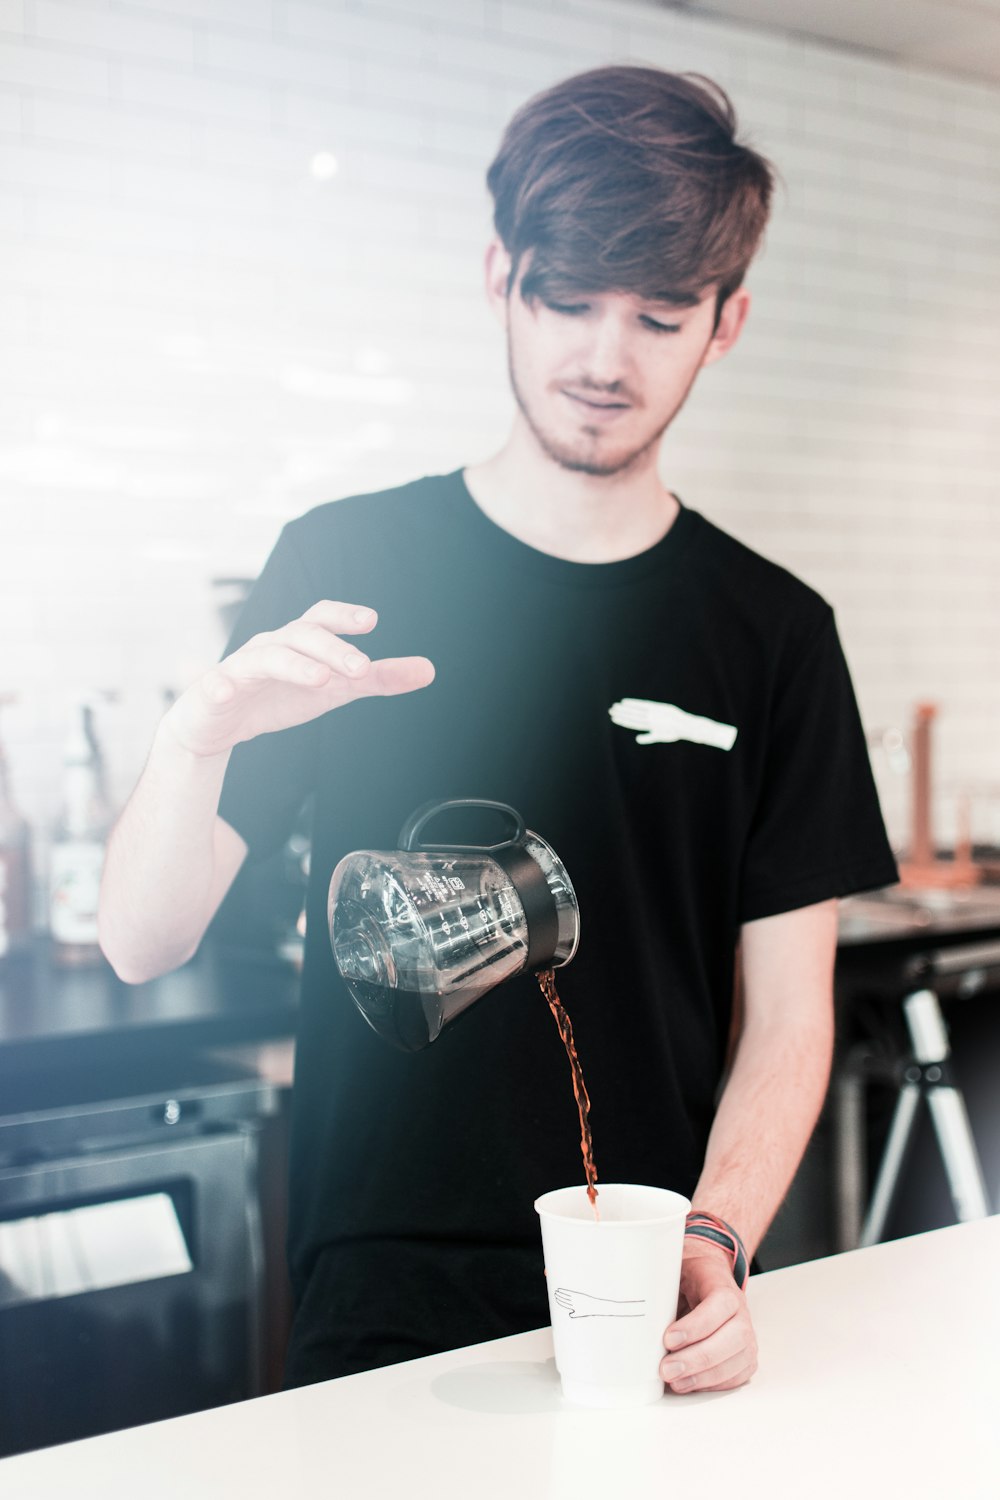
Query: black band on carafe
[[540, 912]]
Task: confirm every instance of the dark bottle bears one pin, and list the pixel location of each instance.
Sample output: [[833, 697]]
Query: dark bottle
[[15, 866], [78, 845]]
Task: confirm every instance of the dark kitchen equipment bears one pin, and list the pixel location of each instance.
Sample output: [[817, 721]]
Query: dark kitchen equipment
[[131, 1257]]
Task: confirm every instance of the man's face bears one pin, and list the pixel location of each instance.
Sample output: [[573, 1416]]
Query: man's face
[[599, 379]]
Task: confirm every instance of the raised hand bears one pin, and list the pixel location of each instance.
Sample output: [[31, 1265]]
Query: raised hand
[[286, 677]]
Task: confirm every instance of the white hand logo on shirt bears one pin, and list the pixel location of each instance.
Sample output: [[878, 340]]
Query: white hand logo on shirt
[[664, 723]]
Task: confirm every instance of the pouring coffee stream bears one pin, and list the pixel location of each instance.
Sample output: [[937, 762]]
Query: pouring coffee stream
[[422, 932], [547, 983]]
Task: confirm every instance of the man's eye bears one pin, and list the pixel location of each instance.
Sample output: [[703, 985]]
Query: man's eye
[[662, 327], [571, 309]]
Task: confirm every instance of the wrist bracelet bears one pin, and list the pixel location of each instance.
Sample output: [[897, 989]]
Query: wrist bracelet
[[704, 1226]]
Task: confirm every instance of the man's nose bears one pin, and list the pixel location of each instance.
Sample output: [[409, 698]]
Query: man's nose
[[605, 355]]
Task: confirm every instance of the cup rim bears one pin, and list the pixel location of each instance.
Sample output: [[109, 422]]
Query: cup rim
[[667, 1216]]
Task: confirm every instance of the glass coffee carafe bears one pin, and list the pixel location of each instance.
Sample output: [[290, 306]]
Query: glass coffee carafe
[[421, 932]]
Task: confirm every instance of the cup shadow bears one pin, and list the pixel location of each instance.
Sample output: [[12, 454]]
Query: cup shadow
[[519, 1387]]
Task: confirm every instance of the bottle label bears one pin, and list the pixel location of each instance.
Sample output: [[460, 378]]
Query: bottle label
[[74, 886], [15, 897], [5, 921]]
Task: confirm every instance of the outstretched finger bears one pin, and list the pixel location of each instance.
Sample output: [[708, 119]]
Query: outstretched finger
[[345, 619], [272, 661], [314, 640], [396, 674]]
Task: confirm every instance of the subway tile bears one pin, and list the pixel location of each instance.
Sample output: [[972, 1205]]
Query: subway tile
[[463, 13], [112, 225], [560, 26], [192, 94], [334, 119], [30, 64], [94, 26], [17, 319], [12, 16], [403, 34], [57, 272], [531, 67], [272, 60], [14, 215], [976, 112], [257, 15], [450, 93], [117, 129], [10, 112], [257, 152], [478, 143], [197, 193], [46, 169], [414, 174], [723, 65]]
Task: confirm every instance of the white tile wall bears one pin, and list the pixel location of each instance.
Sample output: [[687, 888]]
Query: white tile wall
[[200, 339]]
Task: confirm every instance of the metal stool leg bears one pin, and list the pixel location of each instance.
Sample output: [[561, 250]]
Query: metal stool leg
[[928, 1074], [891, 1167], [947, 1106], [849, 1147], [958, 1152]]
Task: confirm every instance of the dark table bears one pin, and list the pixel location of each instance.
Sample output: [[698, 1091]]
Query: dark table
[[56, 1020], [895, 923]]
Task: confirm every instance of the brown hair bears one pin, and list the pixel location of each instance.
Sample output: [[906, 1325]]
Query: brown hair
[[629, 179]]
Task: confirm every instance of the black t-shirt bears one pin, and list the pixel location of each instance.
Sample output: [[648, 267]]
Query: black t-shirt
[[670, 845]]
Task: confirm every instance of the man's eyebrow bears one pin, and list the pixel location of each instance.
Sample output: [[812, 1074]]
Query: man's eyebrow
[[668, 304]]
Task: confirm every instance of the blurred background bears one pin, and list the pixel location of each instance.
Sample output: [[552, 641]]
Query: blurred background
[[241, 274], [242, 249]]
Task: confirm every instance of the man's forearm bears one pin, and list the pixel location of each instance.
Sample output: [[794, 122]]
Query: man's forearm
[[157, 881], [765, 1118]]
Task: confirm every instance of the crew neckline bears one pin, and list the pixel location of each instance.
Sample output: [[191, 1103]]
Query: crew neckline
[[521, 556]]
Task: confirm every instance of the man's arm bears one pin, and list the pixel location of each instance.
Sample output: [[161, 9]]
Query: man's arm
[[170, 861], [766, 1114], [171, 858], [780, 1072]]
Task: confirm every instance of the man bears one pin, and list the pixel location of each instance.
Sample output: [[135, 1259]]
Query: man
[[576, 623]]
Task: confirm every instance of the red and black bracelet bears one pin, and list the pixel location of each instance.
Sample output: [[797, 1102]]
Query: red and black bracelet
[[704, 1226]]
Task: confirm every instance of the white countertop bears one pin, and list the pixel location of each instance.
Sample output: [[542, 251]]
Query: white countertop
[[878, 1375]]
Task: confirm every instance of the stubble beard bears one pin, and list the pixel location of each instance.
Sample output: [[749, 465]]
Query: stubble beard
[[570, 458], [574, 458]]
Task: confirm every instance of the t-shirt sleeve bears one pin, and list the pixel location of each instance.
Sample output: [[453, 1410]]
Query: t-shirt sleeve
[[268, 778], [817, 829]]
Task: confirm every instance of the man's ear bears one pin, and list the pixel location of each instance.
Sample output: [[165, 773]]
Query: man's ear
[[731, 320], [497, 268]]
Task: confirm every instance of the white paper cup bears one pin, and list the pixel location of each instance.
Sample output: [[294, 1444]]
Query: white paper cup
[[613, 1287]]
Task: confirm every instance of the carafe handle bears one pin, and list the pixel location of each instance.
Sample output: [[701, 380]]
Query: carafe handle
[[409, 834]]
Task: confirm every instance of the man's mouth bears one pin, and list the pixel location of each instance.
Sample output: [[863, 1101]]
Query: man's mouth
[[596, 407]]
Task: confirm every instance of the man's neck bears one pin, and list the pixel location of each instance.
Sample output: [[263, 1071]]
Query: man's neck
[[580, 517]]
